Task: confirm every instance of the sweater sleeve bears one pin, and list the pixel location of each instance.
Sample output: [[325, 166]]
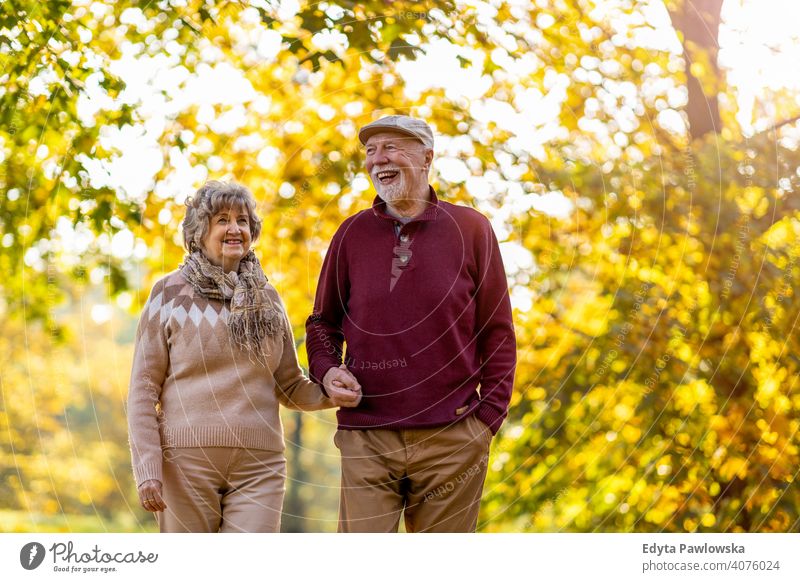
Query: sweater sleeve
[[495, 331], [150, 365], [324, 336], [293, 389]]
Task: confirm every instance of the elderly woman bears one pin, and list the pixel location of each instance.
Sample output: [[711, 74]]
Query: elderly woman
[[214, 356]]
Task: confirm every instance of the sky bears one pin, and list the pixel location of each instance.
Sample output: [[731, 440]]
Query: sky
[[760, 49]]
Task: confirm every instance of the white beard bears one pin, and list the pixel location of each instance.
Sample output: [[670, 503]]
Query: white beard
[[398, 190], [391, 192]]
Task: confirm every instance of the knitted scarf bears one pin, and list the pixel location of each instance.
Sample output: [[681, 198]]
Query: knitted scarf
[[253, 315]]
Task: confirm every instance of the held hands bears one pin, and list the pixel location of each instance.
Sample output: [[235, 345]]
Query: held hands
[[342, 387], [150, 495]]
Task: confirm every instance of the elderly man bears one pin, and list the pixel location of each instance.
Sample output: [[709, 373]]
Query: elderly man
[[415, 287]]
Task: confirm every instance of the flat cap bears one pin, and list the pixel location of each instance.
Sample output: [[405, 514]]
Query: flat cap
[[401, 123]]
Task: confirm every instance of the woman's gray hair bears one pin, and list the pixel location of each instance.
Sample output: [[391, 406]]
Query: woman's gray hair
[[210, 199]]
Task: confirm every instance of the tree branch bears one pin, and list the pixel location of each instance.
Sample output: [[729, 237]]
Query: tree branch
[[780, 124]]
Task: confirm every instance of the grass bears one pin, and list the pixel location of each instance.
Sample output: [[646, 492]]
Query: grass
[[13, 521]]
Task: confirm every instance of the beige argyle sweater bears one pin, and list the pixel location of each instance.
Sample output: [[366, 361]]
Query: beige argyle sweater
[[191, 386]]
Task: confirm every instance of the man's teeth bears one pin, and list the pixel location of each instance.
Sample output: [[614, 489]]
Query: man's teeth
[[388, 174]]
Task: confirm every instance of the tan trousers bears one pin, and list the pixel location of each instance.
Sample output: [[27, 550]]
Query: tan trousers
[[434, 475], [222, 489]]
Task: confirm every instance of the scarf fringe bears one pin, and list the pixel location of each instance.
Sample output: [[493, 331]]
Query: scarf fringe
[[253, 315]]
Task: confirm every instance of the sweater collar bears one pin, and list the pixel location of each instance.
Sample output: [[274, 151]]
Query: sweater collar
[[430, 213]]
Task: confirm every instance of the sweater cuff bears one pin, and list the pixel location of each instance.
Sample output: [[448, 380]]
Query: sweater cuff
[[489, 417], [147, 471], [317, 371]]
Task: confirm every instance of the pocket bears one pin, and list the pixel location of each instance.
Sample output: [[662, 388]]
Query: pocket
[[336, 439], [487, 432], [479, 430]]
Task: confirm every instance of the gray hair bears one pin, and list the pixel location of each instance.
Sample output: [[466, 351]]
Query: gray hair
[[211, 198]]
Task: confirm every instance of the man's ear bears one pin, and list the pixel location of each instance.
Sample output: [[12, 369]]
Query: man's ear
[[428, 159]]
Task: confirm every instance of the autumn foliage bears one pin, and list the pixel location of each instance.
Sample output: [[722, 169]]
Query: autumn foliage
[[652, 264]]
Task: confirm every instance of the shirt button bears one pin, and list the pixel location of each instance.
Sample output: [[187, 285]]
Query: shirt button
[[403, 238], [404, 259]]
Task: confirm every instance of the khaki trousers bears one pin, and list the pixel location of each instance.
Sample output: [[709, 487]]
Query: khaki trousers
[[222, 489], [434, 475]]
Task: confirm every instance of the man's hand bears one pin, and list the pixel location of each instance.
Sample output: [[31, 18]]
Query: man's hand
[[342, 387], [150, 495]]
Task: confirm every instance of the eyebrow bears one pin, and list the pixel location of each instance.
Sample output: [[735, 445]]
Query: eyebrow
[[386, 142], [242, 214]]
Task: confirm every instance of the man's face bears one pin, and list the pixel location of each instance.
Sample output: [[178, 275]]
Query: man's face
[[397, 165]]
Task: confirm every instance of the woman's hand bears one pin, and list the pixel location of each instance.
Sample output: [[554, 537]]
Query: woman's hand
[[150, 495], [342, 387]]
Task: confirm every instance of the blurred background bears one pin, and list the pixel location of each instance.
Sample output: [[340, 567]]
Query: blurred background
[[638, 160]]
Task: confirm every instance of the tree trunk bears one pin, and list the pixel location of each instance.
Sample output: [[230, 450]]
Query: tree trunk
[[293, 519], [698, 23]]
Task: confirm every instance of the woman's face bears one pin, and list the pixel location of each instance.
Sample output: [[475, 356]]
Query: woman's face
[[228, 238]]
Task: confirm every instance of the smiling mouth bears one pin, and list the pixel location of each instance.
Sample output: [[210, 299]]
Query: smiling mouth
[[386, 176], [232, 241]]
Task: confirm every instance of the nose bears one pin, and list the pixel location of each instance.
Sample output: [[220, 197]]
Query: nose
[[379, 157]]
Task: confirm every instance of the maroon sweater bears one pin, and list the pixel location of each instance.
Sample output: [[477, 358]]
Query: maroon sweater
[[425, 314]]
